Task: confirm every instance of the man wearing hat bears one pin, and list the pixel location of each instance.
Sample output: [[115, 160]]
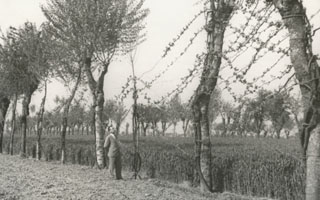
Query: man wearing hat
[[112, 146]]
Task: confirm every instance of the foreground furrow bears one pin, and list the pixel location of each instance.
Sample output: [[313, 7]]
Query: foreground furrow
[[31, 179]]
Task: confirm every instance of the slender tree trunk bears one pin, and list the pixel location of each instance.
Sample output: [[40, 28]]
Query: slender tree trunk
[[25, 113], [278, 134], [13, 122], [144, 127], [203, 143], [59, 130], [96, 88], [82, 129], [308, 74], [164, 127], [63, 135], [4, 105], [127, 128], [224, 126], [145, 131], [258, 126], [297, 121], [92, 127], [68, 130], [65, 116], [40, 123], [185, 124], [72, 129], [99, 129], [87, 129], [118, 127], [154, 128], [138, 128], [313, 166], [217, 20]]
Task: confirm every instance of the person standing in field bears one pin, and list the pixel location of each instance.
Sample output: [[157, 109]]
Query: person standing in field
[[112, 146]]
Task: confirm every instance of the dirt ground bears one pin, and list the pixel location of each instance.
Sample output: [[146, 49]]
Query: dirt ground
[[25, 179]]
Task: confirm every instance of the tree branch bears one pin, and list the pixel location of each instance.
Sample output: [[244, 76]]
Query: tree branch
[[315, 30]]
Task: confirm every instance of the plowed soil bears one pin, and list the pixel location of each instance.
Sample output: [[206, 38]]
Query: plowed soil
[[27, 178]]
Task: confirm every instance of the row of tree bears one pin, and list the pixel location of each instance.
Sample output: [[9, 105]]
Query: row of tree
[[76, 45], [251, 115], [268, 111]]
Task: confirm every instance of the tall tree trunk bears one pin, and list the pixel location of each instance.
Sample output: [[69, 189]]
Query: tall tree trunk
[[138, 128], [118, 127], [164, 127], [4, 105], [308, 74], [174, 128], [298, 124], [92, 127], [13, 122], [127, 128], [224, 133], [72, 129], [313, 166], [99, 101], [63, 135], [25, 113], [82, 129], [203, 143], [218, 19], [278, 132], [87, 129], [154, 128], [58, 130], [144, 127], [96, 88], [40, 123], [185, 124], [65, 116], [258, 126]]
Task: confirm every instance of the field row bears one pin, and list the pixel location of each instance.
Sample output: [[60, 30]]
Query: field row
[[250, 166]]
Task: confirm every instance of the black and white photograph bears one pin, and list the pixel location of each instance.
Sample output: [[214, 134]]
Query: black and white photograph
[[159, 99]]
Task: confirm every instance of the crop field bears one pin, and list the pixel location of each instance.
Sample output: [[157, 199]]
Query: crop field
[[251, 166]]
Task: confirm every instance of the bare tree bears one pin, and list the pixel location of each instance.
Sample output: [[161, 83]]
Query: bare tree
[[217, 21], [307, 72]]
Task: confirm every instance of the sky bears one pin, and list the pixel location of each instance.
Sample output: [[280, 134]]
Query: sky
[[165, 21]]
